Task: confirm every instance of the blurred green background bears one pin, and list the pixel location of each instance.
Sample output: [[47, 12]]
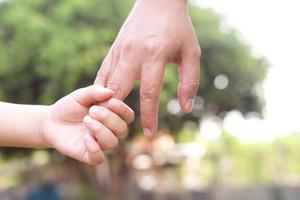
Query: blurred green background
[[49, 48]]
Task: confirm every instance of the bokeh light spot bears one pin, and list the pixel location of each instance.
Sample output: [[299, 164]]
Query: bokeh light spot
[[221, 82]]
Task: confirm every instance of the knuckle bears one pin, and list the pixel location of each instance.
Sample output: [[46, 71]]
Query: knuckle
[[191, 85], [153, 47], [128, 46], [148, 91], [150, 48]]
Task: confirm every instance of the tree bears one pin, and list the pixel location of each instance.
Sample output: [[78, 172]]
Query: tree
[[49, 48], [53, 47]]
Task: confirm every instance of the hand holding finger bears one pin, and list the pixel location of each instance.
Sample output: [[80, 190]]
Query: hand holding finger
[[105, 138], [91, 95], [109, 119], [121, 109]]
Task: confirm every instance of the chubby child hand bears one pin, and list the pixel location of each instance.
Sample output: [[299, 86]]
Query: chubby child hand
[[77, 127]]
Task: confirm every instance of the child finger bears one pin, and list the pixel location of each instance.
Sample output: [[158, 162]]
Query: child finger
[[109, 119], [105, 138], [94, 154], [91, 94], [121, 109]]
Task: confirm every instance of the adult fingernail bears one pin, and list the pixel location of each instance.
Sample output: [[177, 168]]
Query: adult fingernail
[[148, 132], [189, 104]]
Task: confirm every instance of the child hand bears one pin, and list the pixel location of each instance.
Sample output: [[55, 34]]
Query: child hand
[[72, 124]]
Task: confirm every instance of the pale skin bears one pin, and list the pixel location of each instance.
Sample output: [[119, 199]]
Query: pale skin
[[155, 33], [73, 125]]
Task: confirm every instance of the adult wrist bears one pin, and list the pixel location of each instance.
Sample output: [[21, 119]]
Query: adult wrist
[[173, 5]]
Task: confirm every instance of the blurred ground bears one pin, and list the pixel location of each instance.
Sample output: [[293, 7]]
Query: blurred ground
[[164, 168]]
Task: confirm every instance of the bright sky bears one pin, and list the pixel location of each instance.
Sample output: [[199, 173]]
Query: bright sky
[[272, 28]]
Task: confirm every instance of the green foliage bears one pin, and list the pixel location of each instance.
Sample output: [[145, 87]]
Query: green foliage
[[87, 192], [50, 47], [235, 162]]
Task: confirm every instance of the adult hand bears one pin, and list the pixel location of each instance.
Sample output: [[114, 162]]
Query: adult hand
[[155, 33]]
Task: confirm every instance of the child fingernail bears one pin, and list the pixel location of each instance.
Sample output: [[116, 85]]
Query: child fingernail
[[88, 120], [94, 110]]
